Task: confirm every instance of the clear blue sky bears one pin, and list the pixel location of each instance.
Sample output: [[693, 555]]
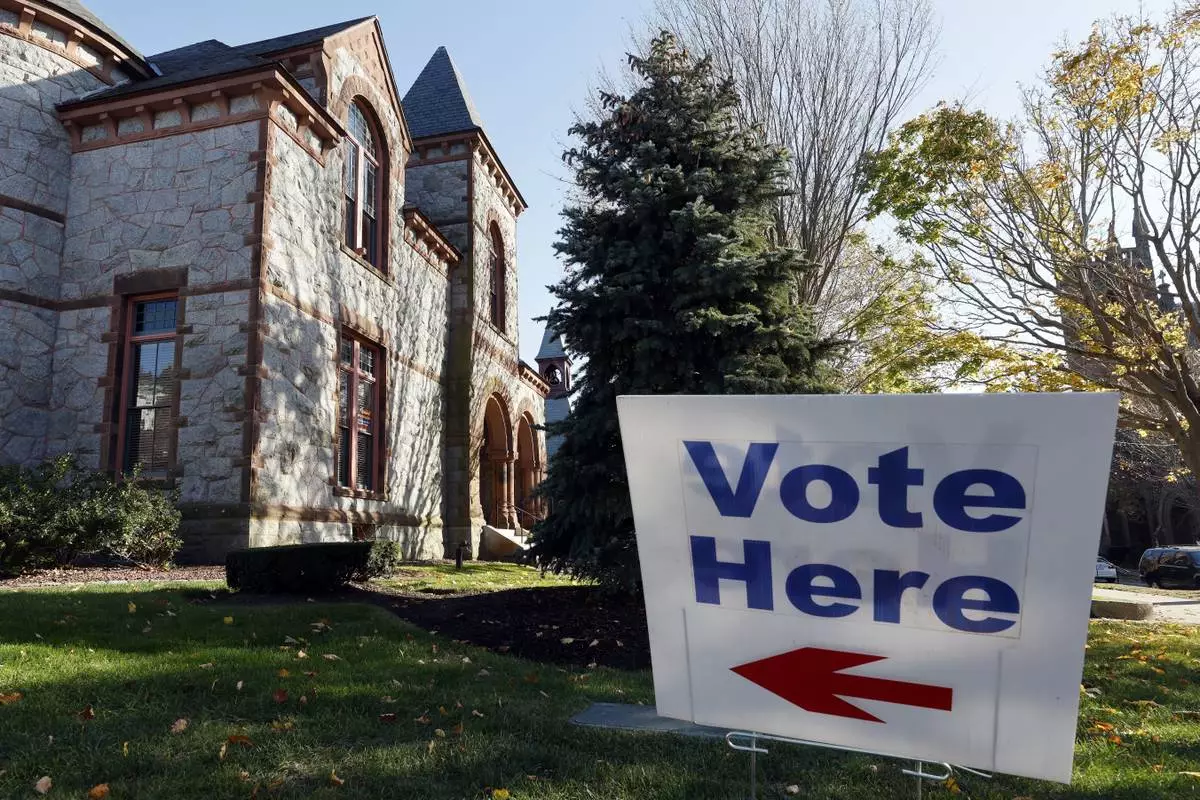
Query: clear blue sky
[[529, 66]]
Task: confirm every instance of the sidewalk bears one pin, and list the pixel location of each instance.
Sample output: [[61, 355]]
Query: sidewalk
[[1167, 608]]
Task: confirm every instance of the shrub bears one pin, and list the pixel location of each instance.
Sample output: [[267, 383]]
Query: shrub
[[384, 560], [315, 568], [52, 513]]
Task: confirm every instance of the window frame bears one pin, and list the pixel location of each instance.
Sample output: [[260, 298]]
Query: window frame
[[125, 376], [377, 472], [353, 232], [497, 278]]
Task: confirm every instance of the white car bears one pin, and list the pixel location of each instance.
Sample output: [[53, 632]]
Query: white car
[[1105, 571]]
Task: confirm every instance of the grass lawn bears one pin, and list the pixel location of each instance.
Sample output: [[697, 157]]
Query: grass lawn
[[441, 577], [104, 674], [1182, 594]]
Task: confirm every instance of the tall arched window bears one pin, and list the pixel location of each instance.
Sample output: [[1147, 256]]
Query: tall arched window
[[363, 186], [497, 280]]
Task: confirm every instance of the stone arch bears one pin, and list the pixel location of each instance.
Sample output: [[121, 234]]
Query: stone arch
[[496, 463], [530, 466]]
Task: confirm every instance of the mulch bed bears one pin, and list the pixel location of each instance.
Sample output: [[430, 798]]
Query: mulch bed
[[56, 577], [571, 625]]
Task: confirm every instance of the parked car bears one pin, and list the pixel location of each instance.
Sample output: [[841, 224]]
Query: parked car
[[1105, 571], [1171, 566]]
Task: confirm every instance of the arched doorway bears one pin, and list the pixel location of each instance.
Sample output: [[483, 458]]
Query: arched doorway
[[496, 466], [529, 466]]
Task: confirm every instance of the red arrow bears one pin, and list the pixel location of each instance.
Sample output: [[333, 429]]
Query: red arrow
[[812, 678]]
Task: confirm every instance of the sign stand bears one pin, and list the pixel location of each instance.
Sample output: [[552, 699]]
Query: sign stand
[[747, 742]]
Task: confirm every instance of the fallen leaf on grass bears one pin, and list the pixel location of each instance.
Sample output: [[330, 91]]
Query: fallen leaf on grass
[[500, 794], [280, 695], [423, 719], [133, 608], [179, 726], [228, 620], [483, 673], [240, 684], [224, 749], [387, 718], [430, 746], [475, 713], [283, 673], [9, 699], [1189, 774], [952, 785], [241, 739], [310, 674], [331, 657], [457, 730], [567, 640], [300, 654], [281, 725], [334, 779], [438, 732], [98, 792], [1102, 726], [87, 713], [125, 749], [1156, 768], [793, 789], [44, 783]]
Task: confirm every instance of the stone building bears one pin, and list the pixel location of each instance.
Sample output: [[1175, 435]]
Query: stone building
[[264, 277]]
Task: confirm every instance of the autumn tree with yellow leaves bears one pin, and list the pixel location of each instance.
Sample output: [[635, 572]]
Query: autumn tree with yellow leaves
[[1019, 218]]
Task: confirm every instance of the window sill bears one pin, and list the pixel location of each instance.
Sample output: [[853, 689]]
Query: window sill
[[362, 494], [367, 265]]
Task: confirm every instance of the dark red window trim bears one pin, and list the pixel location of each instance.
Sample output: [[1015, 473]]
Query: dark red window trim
[[346, 468], [127, 379], [365, 234]]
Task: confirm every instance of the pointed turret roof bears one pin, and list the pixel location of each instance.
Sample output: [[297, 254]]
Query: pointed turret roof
[[438, 102], [552, 346]]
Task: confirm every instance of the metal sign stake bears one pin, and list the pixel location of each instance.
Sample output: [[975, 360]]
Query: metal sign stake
[[748, 742]]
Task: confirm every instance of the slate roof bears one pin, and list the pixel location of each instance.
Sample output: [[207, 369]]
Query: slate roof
[[81, 12], [556, 411], [552, 346], [438, 102], [211, 58]]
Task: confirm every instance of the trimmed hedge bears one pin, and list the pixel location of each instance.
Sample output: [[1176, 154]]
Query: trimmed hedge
[[316, 568]]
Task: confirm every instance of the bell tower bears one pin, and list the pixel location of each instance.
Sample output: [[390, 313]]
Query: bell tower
[[554, 365]]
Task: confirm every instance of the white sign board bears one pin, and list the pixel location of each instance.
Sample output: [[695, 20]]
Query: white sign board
[[909, 575]]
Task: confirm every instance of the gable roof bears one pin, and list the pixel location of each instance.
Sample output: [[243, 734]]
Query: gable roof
[[293, 40], [211, 58], [438, 102], [82, 13]]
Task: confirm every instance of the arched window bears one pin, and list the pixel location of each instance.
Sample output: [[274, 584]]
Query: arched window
[[364, 186], [497, 280]]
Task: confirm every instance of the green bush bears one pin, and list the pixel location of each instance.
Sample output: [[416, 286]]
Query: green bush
[[315, 568], [52, 513], [384, 560]]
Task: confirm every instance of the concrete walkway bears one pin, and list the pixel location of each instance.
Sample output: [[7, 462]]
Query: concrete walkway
[[1167, 608]]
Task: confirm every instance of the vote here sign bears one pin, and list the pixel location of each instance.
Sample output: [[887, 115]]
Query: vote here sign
[[905, 574]]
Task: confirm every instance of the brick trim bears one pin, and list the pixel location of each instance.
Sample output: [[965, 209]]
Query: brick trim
[[252, 386], [102, 300], [24, 299], [77, 33], [284, 513], [32, 208]]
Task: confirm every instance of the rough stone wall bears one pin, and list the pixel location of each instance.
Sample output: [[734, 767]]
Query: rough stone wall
[[494, 354], [35, 163], [407, 308], [440, 191], [138, 209]]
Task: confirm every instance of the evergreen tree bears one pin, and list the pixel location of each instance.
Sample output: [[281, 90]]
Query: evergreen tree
[[672, 287]]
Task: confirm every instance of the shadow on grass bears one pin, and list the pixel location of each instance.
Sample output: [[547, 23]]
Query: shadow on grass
[[142, 659]]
